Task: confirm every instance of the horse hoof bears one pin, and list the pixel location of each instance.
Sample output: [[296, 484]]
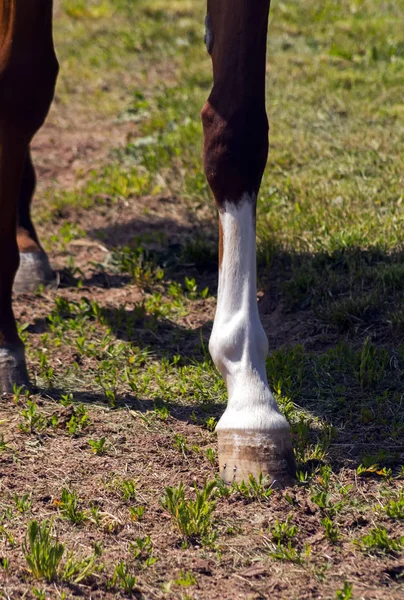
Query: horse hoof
[[34, 270], [245, 453], [13, 369]]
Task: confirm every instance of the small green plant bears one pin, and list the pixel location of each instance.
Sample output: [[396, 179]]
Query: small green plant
[[345, 593], [42, 553], [69, 507], [128, 488], [288, 552], [211, 456], [22, 503], [4, 563], [76, 570], [185, 579], [98, 446], [123, 578], [180, 442], [162, 412], [395, 508], [137, 512], [3, 444], [211, 423], [193, 517], [40, 594], [33, 420], [322, 494], [282, 533], [254, 489], [330, 530], [78, 421], [8, 536], [364, 470], [378, 542], [142, 551], [283, 540]]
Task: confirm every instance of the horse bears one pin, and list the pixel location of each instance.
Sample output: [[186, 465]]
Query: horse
[[253, 436]]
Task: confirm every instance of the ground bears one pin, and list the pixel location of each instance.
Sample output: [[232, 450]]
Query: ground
[[101, 466]]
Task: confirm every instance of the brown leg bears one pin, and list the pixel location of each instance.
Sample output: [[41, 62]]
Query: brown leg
[[34, 268], [253, 436], [28, 70]]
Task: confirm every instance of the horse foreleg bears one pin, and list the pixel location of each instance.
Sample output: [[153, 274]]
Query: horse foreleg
[[253, 435], [28, 70]]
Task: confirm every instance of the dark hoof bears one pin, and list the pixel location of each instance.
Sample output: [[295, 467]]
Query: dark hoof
[[34, 270], [244, 453], [13, 369]]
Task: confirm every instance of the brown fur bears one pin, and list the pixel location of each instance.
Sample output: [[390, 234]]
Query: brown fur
[[234, 117], [28, 70]]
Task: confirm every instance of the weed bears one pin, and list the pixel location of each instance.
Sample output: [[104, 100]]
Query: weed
[[123, 578], [9, 537], [3, 444], [180, 442], [185, 579], [395, 508], [128, 488], [22, 503], [77, 570], [42, 553], [69, 507], [211, 455], [193, 517], [288, 552], [5, 563], [330, 530], [33, 420], [142, 551], [79, 420], [345, 593], [282, 533], [211, 423], [378, 542], [137, 512], [255, 489], [98, 446]]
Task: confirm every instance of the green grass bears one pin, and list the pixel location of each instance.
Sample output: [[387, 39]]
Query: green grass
[[126, 387]]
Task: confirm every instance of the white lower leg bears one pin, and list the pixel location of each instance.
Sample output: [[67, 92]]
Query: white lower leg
[[252, 431]]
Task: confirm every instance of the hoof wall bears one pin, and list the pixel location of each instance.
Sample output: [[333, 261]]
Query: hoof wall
[[34, 270], [245, 453], [13, 369]]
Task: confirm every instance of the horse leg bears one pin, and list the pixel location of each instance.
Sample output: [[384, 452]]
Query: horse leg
[[253, 435], [28, 70], [34, 268]]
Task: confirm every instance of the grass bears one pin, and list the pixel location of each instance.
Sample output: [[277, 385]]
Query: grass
[[127, 397]]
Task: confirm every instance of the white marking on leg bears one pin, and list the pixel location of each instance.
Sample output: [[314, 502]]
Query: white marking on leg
[[238, 344]]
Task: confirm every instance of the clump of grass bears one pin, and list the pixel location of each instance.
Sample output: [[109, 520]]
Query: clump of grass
[[378, 542], [123, 578], [283, 533], [42, 552], [192, 517], [142, 551], [395, 508], [99, 447], [255, 489], [128, 489], [69, 507]]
